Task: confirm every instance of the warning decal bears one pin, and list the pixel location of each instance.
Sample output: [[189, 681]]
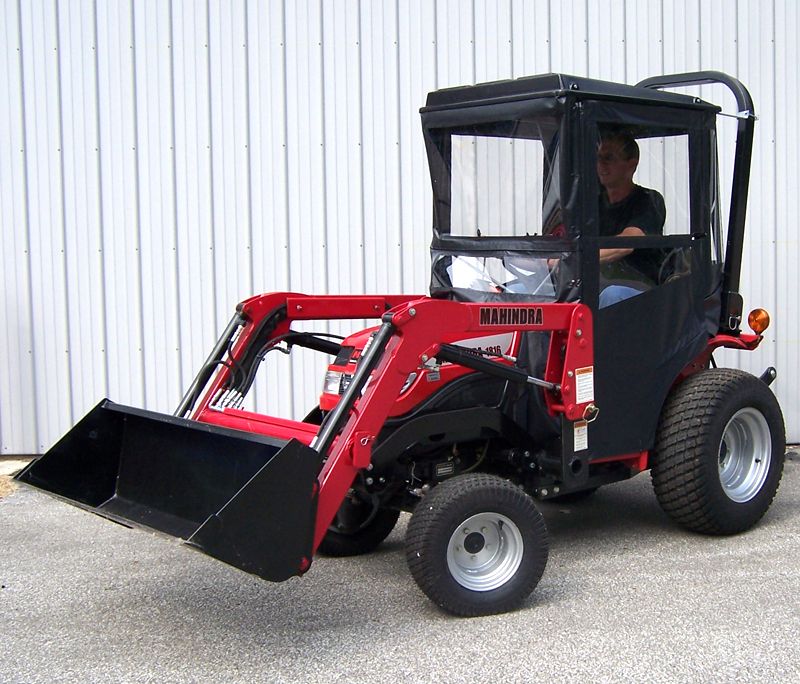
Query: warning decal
[[584, 385], [581, 437]]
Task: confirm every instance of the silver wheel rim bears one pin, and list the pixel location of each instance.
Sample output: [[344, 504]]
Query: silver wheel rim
[[745, 452], [484, 552]]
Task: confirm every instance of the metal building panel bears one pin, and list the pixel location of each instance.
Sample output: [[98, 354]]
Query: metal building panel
[[608, 57], [119, 205], [268, 176], [205, 151], [347, 126], [569, 32], [382, 213], [85, 275], [156, 184], [455, 43], [17, 388], [756, 32], [198, 322], [786, 326], [228, 66], [681, 35], [417, 74], [49, 295], [493, 51], [644, 43], [530, 37], [305, 107]]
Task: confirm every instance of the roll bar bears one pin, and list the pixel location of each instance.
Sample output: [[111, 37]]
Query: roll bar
[[731, 315]]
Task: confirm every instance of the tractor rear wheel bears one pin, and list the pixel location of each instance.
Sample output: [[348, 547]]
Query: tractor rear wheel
[[719, 452], [359, 527], [476, 545]]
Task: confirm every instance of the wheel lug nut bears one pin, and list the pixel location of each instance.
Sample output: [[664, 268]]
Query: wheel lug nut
[[466, 530]]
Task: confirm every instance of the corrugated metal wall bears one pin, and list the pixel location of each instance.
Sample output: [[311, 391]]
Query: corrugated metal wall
[[162, 159]]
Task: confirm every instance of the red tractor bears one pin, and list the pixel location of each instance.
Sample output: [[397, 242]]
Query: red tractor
[[519, 379]]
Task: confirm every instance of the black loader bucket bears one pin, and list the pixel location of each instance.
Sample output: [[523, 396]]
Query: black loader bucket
[[245, 499]]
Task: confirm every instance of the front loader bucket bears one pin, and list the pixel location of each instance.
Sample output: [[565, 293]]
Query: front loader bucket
[[245, 499]]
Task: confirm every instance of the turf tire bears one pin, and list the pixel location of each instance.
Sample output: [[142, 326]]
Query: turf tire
[[443, 513], [689, 453], [355, 532]]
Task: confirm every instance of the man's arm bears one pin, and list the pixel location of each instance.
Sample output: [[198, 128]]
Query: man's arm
[[611, 254]]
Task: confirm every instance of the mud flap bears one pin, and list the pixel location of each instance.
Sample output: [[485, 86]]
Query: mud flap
[[245, 499]]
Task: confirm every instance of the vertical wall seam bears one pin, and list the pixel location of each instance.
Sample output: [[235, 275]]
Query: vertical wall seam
[[586, 24], [736, 37], [474, 64], [699, 34], [400, 212], [625, 41], [100, 212], [362, 194], [248, 153], [285, 86], [511, 44], [435, 44], [27, 208], [325, 222], [63, 192], [776, 281], [285, 90], [174, 161], [248, 161], [549, 36], [662, 55], [138, 202], [212, 201]]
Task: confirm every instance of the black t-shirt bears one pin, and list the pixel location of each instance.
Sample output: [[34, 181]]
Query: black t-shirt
[[643, 208]]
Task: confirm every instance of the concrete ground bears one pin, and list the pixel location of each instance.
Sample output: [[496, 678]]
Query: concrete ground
[[626, 596]]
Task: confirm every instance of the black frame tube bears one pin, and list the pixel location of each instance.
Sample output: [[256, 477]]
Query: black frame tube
[[336, 419], [731, 315]]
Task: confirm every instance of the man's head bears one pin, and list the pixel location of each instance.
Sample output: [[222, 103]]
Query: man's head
[[617, 159]]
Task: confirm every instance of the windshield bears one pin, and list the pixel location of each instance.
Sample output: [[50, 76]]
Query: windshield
[[498, 179], [514, 274]]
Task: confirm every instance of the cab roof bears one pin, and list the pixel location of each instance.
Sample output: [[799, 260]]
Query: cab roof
[[556, 86]]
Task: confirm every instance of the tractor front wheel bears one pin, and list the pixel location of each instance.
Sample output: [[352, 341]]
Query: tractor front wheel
[[359, 527], [719, 452], [476, 545]]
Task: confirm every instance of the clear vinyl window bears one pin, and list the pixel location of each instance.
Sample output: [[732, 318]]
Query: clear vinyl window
[[644, 190], [501, 184], [513, 274]]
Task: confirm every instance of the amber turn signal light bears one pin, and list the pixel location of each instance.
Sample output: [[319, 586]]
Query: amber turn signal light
[[758, 320]]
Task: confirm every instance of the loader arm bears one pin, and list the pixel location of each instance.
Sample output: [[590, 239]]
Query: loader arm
[[414, 330]]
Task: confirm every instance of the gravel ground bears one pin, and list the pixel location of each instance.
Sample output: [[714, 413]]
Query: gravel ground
[[626, 596]]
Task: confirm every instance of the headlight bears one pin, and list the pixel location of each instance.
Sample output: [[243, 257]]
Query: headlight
[[332, 382]]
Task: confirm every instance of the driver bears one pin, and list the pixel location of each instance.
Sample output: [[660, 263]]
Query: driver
[[626, 210]]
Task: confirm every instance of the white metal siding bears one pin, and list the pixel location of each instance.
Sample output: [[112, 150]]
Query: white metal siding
[[161, 160]]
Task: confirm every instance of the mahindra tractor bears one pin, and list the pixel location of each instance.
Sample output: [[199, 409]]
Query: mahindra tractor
[[519, 380]]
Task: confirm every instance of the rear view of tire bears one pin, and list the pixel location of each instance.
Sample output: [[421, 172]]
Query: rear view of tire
[[476, 545], [719, 452], [358, 528]]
